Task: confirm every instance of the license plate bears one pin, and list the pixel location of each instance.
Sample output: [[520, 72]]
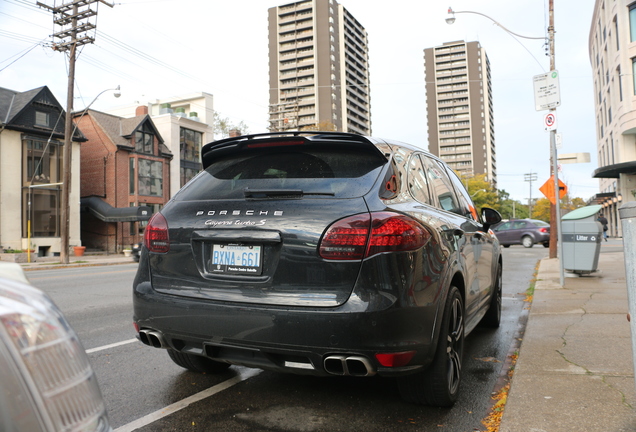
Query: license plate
[[235, 259]]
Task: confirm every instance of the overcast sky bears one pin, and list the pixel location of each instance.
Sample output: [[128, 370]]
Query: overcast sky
[[157, 49]]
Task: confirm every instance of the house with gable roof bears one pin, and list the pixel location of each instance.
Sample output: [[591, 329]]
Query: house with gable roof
[[31, 166], [125, 178]]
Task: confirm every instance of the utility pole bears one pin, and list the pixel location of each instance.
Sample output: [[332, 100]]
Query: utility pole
[[530, 177], [74, 31]]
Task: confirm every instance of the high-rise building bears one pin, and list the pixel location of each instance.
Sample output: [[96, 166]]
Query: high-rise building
[[460, 113], [318, 68], [612, 46]]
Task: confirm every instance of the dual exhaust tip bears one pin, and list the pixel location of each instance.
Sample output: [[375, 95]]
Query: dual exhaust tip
[[152, 338], [334, 364], [349, 366]]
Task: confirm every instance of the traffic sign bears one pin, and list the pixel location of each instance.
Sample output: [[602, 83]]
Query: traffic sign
[[549, 121], [546, 91], [548, 189]]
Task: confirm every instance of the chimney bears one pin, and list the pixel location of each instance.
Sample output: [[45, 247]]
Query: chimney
[[141, 110], [235, 133]]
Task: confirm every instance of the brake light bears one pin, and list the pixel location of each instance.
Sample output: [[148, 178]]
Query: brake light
[[395, 359], [275, 144], [156, 234], [361, 236], [543, 230]]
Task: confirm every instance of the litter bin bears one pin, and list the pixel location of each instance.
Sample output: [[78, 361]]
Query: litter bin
[[581, 236]]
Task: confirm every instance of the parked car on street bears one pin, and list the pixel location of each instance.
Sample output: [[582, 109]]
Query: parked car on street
[[526, 232], [46, 381], [324, 254]]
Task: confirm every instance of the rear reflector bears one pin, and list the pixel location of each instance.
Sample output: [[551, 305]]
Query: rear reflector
[[156, 234], [364, 235], [395, 359]]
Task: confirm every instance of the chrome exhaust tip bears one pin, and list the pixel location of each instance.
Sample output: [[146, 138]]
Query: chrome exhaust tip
[[349, 365], [152, 338]]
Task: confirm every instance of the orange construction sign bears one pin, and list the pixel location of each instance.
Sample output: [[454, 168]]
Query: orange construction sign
[[548, 190]]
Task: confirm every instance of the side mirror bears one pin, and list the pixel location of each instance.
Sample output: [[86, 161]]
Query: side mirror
[[490, 217]]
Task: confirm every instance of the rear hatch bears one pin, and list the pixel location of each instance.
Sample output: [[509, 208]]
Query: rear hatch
[[248, 228]]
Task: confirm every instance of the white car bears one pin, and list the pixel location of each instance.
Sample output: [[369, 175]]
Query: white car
[[46, 381]]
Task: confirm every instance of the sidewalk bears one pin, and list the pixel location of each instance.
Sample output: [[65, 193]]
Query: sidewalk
[[75, 261], [575, 370]]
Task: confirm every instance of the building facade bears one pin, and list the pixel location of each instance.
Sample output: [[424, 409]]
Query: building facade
[[125, 177], [318, 68], [31, 167], [612, 50], [460, 108], [186, 124]]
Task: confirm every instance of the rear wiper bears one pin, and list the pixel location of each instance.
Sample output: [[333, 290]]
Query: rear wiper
[[280, 193]]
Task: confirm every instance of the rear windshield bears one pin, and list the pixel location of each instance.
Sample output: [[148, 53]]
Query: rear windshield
[[323, 171], [540, 223]]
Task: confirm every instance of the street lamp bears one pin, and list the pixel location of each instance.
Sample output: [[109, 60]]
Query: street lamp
[[555, 217], [66, 174]]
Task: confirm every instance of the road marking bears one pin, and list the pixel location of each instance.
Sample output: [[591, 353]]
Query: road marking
[[105, 347], [244, 374]]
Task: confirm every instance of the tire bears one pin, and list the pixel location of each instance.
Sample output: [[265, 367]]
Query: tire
[[546, 244], [439, 384], [492, 318], [506, 246], [197, 363], [527, 241]]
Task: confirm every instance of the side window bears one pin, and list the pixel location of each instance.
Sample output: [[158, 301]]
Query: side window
[[465, 201], [503, 227], [418, 186], [441, 186]]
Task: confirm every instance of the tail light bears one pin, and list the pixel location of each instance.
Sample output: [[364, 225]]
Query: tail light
[[364, 235], [156, 234], [543, 230], [49, 356]]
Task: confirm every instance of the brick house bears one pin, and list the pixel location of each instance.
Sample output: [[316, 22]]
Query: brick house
[[125, 177], [31, 166]]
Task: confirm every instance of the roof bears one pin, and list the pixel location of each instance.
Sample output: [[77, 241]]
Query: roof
[[16, 111], [615, 170], [107, 213], [120, 129]]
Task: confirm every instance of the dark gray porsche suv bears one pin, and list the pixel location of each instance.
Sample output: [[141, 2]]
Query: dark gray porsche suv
[[324, 254]]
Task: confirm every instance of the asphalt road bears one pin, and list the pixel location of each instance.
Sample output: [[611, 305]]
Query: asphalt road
[[145, 391]]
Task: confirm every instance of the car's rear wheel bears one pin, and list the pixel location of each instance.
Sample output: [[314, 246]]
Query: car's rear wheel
[[439, 384], [197, 363], [527, 241], [546, 244], [493, 314], [506, 246]]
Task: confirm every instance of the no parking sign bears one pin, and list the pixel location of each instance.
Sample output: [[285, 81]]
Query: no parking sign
[[550, 122]]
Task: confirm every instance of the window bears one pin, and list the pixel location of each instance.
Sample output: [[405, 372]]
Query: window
[[144, 140], [131, 176], [634, 75], [620, 83], [42, 165], [150, 177], [632, 23], [440, 185], [616, 34], [41, 118], [417, 181], [190, 148]]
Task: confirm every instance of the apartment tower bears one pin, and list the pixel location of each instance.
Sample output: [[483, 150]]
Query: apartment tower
[[612, 51], [318, 68], [460, 114]]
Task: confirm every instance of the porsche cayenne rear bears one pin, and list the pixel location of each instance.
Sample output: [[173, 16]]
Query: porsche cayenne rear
[[323, 254]]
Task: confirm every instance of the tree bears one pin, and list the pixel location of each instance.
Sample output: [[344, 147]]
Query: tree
[[481, 191], [222, 126], [541, 209]]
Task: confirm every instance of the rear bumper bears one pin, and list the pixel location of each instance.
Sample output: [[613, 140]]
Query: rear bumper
[[298, 340]]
